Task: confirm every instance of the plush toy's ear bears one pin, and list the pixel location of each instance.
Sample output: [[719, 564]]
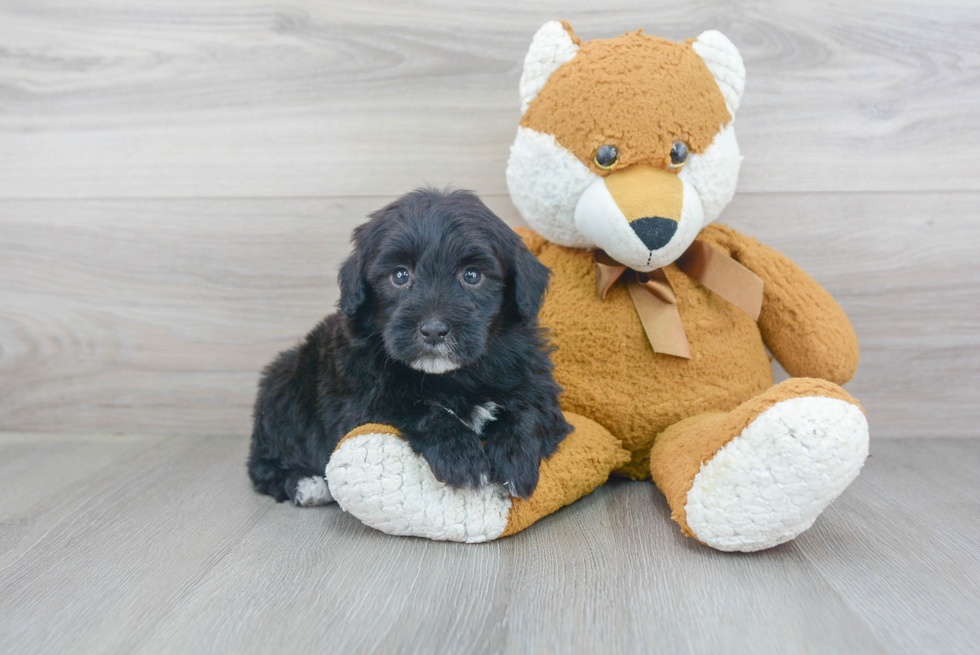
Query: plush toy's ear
[[553, 45], [725, 64]]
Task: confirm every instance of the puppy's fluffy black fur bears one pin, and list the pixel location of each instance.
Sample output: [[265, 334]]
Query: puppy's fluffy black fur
[[437, 336]]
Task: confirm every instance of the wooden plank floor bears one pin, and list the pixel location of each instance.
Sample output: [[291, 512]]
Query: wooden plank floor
[[157, 545]]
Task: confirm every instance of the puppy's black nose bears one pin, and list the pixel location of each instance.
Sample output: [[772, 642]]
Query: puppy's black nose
[[434, 331], [654, 232]]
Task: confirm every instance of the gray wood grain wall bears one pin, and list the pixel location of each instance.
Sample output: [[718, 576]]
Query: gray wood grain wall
[[178, 181]]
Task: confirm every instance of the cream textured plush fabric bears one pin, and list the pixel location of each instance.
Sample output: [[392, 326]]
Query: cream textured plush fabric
[[551, 47], [769, 484], [725, 64], [546, 181], [377, 478]]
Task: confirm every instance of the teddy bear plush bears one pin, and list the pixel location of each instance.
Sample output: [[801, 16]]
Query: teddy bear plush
[[624, 158]]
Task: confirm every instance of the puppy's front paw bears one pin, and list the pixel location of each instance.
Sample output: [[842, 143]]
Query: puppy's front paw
[[458, 464], [515, 462], [518, 475]]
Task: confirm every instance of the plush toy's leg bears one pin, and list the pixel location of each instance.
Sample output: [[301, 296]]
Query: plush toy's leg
[[375, 475], [761, 474]]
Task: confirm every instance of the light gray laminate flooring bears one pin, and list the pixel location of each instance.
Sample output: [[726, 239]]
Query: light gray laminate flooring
[[115, 544]]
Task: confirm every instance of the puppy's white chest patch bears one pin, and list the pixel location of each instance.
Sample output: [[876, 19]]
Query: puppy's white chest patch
[[483, 414], [479, 416]]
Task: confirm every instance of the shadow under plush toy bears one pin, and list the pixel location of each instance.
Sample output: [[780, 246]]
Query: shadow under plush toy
[[624, 157]]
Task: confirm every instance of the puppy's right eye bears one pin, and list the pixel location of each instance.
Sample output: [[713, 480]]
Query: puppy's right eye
[[472, 276], [400, 277]]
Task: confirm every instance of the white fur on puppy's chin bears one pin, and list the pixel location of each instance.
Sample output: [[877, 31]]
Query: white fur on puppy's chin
[[436, 361], [599, 218], [434, 364]]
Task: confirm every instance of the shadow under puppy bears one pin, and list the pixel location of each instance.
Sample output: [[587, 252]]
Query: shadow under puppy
[[437, 336]]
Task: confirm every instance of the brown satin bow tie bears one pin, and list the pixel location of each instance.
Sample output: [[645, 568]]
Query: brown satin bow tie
[[654, 297]]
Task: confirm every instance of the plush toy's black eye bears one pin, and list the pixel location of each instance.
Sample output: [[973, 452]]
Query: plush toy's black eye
[[678, 154], [606, 157], [472, 276], [400, 277]]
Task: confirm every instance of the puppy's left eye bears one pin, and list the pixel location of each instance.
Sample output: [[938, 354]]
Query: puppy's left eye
[[400, 277], [472, 276]]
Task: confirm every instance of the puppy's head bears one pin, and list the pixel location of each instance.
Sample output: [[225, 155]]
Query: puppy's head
[[435, 275]]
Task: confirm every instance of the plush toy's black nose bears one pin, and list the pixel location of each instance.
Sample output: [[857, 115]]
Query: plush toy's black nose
[[434, 331], [654, 232]]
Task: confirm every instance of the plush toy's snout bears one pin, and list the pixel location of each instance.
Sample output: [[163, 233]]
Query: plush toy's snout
[[651, 200], [643, 217]]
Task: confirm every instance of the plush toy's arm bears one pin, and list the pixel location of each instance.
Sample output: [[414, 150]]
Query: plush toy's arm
[[375, 475], [534, 241], [804, 327]]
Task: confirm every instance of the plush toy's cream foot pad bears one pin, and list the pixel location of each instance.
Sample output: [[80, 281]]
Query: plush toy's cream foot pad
[[379, 479], [759, 475], [375, 475], [769, 484]]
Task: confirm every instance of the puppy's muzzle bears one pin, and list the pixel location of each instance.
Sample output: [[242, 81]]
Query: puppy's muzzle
[[434, 331]]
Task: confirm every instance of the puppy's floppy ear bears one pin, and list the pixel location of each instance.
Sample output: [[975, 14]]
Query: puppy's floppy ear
[[354, 288], [353, 285], [530, 280]]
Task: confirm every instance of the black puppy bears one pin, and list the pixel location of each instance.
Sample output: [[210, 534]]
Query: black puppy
[[438, 337]]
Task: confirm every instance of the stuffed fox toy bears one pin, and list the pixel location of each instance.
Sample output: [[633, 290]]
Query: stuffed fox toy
[[624, 158]]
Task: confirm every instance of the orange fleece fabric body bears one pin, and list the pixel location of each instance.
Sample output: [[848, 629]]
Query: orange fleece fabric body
[[610, 373], [582, 463]]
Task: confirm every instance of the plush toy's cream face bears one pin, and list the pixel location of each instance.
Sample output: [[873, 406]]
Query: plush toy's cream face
[[626, 145]]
